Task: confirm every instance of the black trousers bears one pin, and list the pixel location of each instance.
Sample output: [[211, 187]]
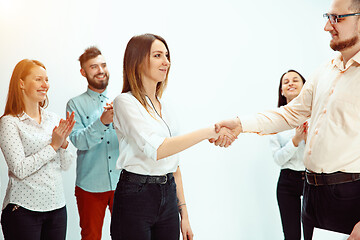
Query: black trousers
[[331, 207], [289, 192], [145, 211], [20, 223]]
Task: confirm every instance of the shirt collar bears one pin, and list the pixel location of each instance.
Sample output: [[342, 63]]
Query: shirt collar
[[339, 64], [96, 95], [24, 115]]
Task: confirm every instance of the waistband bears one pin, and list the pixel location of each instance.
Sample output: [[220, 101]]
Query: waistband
[[139, 178], [319, 179], [289, 173]]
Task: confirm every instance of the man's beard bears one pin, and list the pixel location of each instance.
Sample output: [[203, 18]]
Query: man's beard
[[98, 85], [339, 46]]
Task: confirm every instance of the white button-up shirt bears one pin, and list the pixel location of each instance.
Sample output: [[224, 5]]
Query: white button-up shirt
[[331, 97], [285, 154], [140, 135], [35, 181]]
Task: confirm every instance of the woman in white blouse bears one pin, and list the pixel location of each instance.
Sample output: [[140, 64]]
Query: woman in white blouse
[[288, 150], [149, 195], [35, 150]]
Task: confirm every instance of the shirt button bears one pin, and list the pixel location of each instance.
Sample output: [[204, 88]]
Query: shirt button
[[309, 152], [331, 91], [324, 111], [102, 101], [110, 170], [316, 131], [108, 142], [87, 117], [109, 157], [102, 138]]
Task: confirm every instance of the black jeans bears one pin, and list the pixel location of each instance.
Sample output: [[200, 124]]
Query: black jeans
[[289, 190], [20, 223], [331, 207], [145, 211]]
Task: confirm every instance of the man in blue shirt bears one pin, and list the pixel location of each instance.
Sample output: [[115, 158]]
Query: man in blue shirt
[[98, 148]]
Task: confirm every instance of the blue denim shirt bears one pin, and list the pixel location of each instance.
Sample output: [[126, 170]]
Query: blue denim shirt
[[97, 144]]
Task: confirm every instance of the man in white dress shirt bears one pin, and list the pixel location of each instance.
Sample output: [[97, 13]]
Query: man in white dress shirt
[[332, 154]]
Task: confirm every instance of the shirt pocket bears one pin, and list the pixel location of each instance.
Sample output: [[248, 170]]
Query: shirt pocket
[[130, 188], [89, 118], [345, 191]]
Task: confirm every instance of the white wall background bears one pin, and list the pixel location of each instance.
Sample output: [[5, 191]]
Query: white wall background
[[227, 58]]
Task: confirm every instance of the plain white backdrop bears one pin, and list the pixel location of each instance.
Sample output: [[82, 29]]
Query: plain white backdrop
[[227, 58]]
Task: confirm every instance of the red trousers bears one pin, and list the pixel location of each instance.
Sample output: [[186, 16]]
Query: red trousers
[[91, 207]]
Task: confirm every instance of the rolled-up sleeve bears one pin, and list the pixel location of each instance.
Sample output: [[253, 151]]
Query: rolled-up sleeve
[[282, 154], [284, 118]]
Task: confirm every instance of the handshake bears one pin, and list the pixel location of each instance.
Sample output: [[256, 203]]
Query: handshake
[[226, 132]]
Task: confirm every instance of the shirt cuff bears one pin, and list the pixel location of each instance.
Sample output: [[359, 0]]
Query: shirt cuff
[[66, 158], [99, 125], [151, 146], [249, 124], [290, 146], [48, 152]]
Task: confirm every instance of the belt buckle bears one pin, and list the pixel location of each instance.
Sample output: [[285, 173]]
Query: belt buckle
[[311, 173], [316, 184], [165, 179]]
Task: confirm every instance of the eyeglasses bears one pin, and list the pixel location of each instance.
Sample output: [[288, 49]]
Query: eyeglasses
[[334, 18]]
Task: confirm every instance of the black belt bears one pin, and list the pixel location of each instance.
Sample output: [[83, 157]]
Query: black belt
[[138, 178], [318, 179]]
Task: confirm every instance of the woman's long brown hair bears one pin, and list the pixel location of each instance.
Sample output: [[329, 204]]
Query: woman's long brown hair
[[137, 54]]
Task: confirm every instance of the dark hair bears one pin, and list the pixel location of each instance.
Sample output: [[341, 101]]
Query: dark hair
[[137, 52], [282, 99], [89, 53]]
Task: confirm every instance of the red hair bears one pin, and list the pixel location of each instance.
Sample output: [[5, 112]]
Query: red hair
[[15, 100]]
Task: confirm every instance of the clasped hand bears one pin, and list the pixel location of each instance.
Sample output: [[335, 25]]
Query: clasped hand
[[61, 132], [232, 127], [223, 136]]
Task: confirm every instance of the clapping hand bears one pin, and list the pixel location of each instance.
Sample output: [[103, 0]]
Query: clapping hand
[[108, 114], [109, 106], [300, 134], [61, 132]]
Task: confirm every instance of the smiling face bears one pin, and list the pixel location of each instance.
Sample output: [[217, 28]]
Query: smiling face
[[157, 67], [96, 72], [35, 85], [291, 85], [345, 33]]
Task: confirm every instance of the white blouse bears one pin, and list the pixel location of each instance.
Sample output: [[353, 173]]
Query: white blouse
[[35, 181], [285, 153], [140, 135]]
